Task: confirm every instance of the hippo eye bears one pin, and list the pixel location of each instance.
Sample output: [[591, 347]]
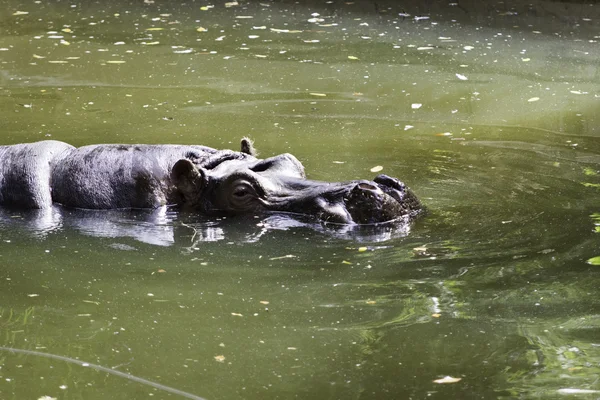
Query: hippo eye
[[242, 193]]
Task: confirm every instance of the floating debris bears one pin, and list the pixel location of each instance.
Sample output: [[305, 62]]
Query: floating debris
[[594, 260], [282, 257], [448, 379]]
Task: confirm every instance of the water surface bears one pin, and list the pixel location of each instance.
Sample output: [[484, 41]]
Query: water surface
[[489, 112]]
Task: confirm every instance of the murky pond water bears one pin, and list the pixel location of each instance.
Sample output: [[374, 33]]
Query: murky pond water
[[489, 112]]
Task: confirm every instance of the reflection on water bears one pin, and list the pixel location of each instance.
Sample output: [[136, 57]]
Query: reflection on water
[[487, 111], [165, 226]]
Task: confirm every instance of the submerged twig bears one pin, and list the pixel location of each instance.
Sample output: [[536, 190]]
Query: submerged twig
[[105, 369]]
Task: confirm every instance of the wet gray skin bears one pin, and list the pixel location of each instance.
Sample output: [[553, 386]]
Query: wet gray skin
[[279, 184], [209, 181]]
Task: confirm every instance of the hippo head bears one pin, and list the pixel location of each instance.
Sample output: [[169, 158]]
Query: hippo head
[[245, 184]]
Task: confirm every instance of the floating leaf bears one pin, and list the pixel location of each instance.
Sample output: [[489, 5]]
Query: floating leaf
[[66, 30], [436, 315], [461, 77], [201, 29], [263, 302], [594, 260], [531, 100], [376, 168], [318, 94], [590, 172], [220, 358], [115, 62], [415, 106], [352, 58], [155, 29], [577, 391], [21, 13], [362, 249], [346, 262], [448, 379], [588, 184]]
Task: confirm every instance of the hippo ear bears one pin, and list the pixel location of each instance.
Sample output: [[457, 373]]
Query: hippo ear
[[187, 177], [248, 147]]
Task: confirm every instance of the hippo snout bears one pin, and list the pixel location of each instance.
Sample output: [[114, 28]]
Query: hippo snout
[[383, 199]]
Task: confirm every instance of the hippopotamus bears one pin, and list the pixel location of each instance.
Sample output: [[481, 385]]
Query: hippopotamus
[[191, 177]]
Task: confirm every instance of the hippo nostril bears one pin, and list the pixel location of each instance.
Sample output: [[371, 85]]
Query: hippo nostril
[[367, 187]]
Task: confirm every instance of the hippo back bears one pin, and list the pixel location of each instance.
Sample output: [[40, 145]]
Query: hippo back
[[113, 176], [25, 172]]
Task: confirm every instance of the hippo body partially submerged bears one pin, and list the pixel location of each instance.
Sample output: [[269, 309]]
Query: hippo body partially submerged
[[110, 176]]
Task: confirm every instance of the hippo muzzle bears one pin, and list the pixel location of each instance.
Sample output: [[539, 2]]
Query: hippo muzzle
[[384, 199]]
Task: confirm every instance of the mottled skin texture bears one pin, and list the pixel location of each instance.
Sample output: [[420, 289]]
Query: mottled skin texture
[[199, 178]]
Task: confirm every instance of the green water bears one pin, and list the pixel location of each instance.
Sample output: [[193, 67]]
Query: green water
[[489, 112]]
